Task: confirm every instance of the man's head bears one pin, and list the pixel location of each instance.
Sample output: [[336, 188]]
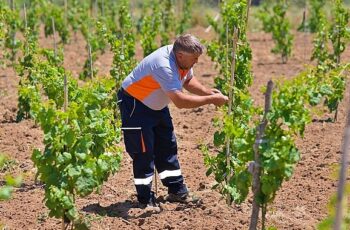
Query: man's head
[[187, 50]]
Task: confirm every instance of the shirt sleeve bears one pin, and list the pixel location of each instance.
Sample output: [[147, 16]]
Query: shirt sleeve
[[167, 79]]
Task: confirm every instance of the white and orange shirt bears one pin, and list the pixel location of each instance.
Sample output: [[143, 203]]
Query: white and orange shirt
[[153, 76]]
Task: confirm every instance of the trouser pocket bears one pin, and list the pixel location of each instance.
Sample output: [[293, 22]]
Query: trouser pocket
[[134, 141]]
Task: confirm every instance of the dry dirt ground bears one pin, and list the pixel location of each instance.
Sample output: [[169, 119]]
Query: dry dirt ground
[[300, 204]]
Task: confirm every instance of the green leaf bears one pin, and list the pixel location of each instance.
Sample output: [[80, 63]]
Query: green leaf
[[5, 192], [219, 138], [102, 165], [85, 185], [326, 90], [36, 155], [69, 138], [209, 171], [66, 202], [266, 187], [13, 181], [81, 156], [74, 172]]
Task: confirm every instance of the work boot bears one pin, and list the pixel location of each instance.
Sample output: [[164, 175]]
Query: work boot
[[185, 198], [151, 206]]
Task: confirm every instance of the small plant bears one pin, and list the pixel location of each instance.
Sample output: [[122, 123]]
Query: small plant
[[185, 20], [53, 18], [9, 24], [339, 32], [7, 164], [321, 51], [150, 27], [314, 16], [10, 181], [168, 22], [122, 43], [275, 22], [42, 217]]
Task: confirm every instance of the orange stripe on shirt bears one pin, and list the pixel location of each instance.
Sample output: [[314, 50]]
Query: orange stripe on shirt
[[143, 88], [183, 72]]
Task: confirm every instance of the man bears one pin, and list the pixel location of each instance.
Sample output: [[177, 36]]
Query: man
[[146, 122]]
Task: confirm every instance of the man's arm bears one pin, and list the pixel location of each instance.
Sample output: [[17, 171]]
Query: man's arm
[[195, 87], [182, 100]]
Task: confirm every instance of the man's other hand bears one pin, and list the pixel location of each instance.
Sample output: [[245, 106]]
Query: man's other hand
[[219, 99]]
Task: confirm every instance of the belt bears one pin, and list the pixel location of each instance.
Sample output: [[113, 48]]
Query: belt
[[125, 93]]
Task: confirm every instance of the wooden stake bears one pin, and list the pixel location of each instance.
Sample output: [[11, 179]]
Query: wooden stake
[[93, 8], [338, 56], [54, 37], [63, 224], [227, 48], [257, 164], [217, 16], [336, 114], [65, 108], [338, 63], [65, 105], [102, 8], [25, 16], [12, 5], [66, 12], [249, 2], [215, 19], [90, 61], [96, 8], [180, 8], [123, 43], [341, 197], [155, 181], [26, 26], [227, 177], [13, 35], [230, 98], [304, 19], [304, 29]]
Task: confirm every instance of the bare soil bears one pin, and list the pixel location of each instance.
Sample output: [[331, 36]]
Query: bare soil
[[300, 204]]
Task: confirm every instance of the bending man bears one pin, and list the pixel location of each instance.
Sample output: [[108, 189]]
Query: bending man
[[146, 122]]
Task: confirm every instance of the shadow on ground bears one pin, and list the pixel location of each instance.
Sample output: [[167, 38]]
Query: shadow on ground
[[126, 210]]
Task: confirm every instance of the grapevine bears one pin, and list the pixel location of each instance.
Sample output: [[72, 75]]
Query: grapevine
[[150, 26], [275, 22]]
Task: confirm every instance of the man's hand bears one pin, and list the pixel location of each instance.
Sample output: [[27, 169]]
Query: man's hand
[[215, 91], [219, 99]]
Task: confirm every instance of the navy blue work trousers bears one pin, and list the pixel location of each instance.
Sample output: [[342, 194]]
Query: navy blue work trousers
[[150, 141]]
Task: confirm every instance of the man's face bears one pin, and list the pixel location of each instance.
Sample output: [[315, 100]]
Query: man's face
[[186, 60]]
